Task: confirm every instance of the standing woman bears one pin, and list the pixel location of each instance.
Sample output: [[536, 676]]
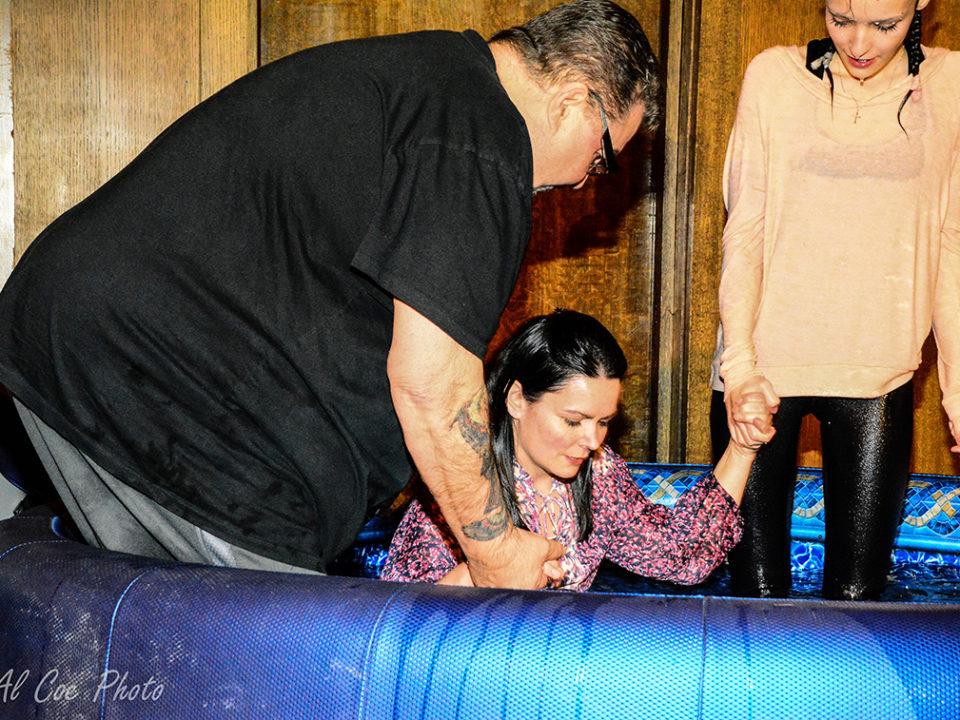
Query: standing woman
[[841, 250]]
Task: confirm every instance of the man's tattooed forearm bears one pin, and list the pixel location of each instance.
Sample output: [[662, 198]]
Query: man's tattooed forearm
[[490, 527], [472, 424]]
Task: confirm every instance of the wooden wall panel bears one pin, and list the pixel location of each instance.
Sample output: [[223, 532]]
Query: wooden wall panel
[[591, 250], [6, 147], [95, 80], [229, 42], [732, 32], [291, 25]]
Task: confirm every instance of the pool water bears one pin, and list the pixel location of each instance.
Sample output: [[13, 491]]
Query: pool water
[[914, 577], [907, 582], [926, 559]]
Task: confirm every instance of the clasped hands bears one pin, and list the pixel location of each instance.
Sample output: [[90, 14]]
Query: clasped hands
[[518, 559], [751, 406], [524, 559]]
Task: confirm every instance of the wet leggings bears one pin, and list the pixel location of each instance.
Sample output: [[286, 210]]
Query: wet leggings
[[866, 453]]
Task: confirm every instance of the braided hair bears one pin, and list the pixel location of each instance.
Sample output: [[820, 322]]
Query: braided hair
[[914, 57], [821, 51]]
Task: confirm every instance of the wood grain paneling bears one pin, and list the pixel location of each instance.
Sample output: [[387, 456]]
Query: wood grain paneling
[[732, 32], [6, 147], [674, 248], [591, 250], [95, 80], [229, 42]]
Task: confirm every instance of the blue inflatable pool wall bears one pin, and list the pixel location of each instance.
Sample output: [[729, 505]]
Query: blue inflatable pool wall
[[94, 634]]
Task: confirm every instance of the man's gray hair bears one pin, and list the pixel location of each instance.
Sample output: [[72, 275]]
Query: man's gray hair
[[596, 41]]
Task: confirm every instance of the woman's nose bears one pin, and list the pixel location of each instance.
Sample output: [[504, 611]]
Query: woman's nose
[[860, 42], [592, 437]]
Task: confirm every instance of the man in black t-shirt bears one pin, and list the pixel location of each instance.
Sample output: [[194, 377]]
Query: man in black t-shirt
[[232, 350]]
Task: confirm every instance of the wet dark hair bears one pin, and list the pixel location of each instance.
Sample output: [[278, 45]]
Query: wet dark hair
[[596, 41], [542, 355], [819, 53]]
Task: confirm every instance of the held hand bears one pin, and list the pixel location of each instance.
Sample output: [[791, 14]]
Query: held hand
[[757, 418], [519, 559], [554, 572], [750, 409]]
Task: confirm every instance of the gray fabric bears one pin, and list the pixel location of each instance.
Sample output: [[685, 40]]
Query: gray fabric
[[10, 497], [112, 515]]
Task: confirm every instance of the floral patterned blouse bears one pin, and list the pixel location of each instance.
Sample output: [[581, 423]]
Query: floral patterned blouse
[[683, 544]]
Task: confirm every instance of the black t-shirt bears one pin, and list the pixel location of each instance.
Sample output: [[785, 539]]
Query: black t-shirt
[[212, 325]]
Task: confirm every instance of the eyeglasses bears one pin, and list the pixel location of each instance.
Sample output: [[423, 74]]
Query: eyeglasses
[[604, 161]]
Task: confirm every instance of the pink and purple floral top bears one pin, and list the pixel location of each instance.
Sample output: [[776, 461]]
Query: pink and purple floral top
[[682, 544]]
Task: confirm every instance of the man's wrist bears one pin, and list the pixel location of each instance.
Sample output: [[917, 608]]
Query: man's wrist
[[490, 527], [491, 552]]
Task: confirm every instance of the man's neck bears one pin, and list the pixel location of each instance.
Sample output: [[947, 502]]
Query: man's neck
[[525, 93]]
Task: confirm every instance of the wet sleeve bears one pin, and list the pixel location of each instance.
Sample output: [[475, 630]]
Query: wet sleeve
[[683, 543]]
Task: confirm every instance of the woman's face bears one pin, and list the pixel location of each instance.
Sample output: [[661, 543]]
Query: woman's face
[[555, 434], [868, 33]]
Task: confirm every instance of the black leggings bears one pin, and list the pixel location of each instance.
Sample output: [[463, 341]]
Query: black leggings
[[866, 454]]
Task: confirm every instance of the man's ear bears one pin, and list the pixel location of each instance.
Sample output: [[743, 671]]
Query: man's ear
[[564, 99], [516, 402]]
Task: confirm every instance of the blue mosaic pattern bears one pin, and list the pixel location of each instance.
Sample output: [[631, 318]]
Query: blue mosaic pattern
[[931, 519], [808, 495], [930, 503]]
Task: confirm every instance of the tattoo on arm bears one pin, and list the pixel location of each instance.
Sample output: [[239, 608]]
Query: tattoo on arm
[[472, 423], [490, 527]]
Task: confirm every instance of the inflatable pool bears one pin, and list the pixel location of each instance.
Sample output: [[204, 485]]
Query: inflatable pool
[[93, 634]]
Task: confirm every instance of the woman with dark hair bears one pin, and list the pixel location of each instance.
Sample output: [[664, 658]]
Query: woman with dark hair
[[554, 389], [840, 252]]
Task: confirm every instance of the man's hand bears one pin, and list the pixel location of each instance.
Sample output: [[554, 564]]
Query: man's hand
[[750, 409], [553, 573], [518, 559], [438, 393]]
